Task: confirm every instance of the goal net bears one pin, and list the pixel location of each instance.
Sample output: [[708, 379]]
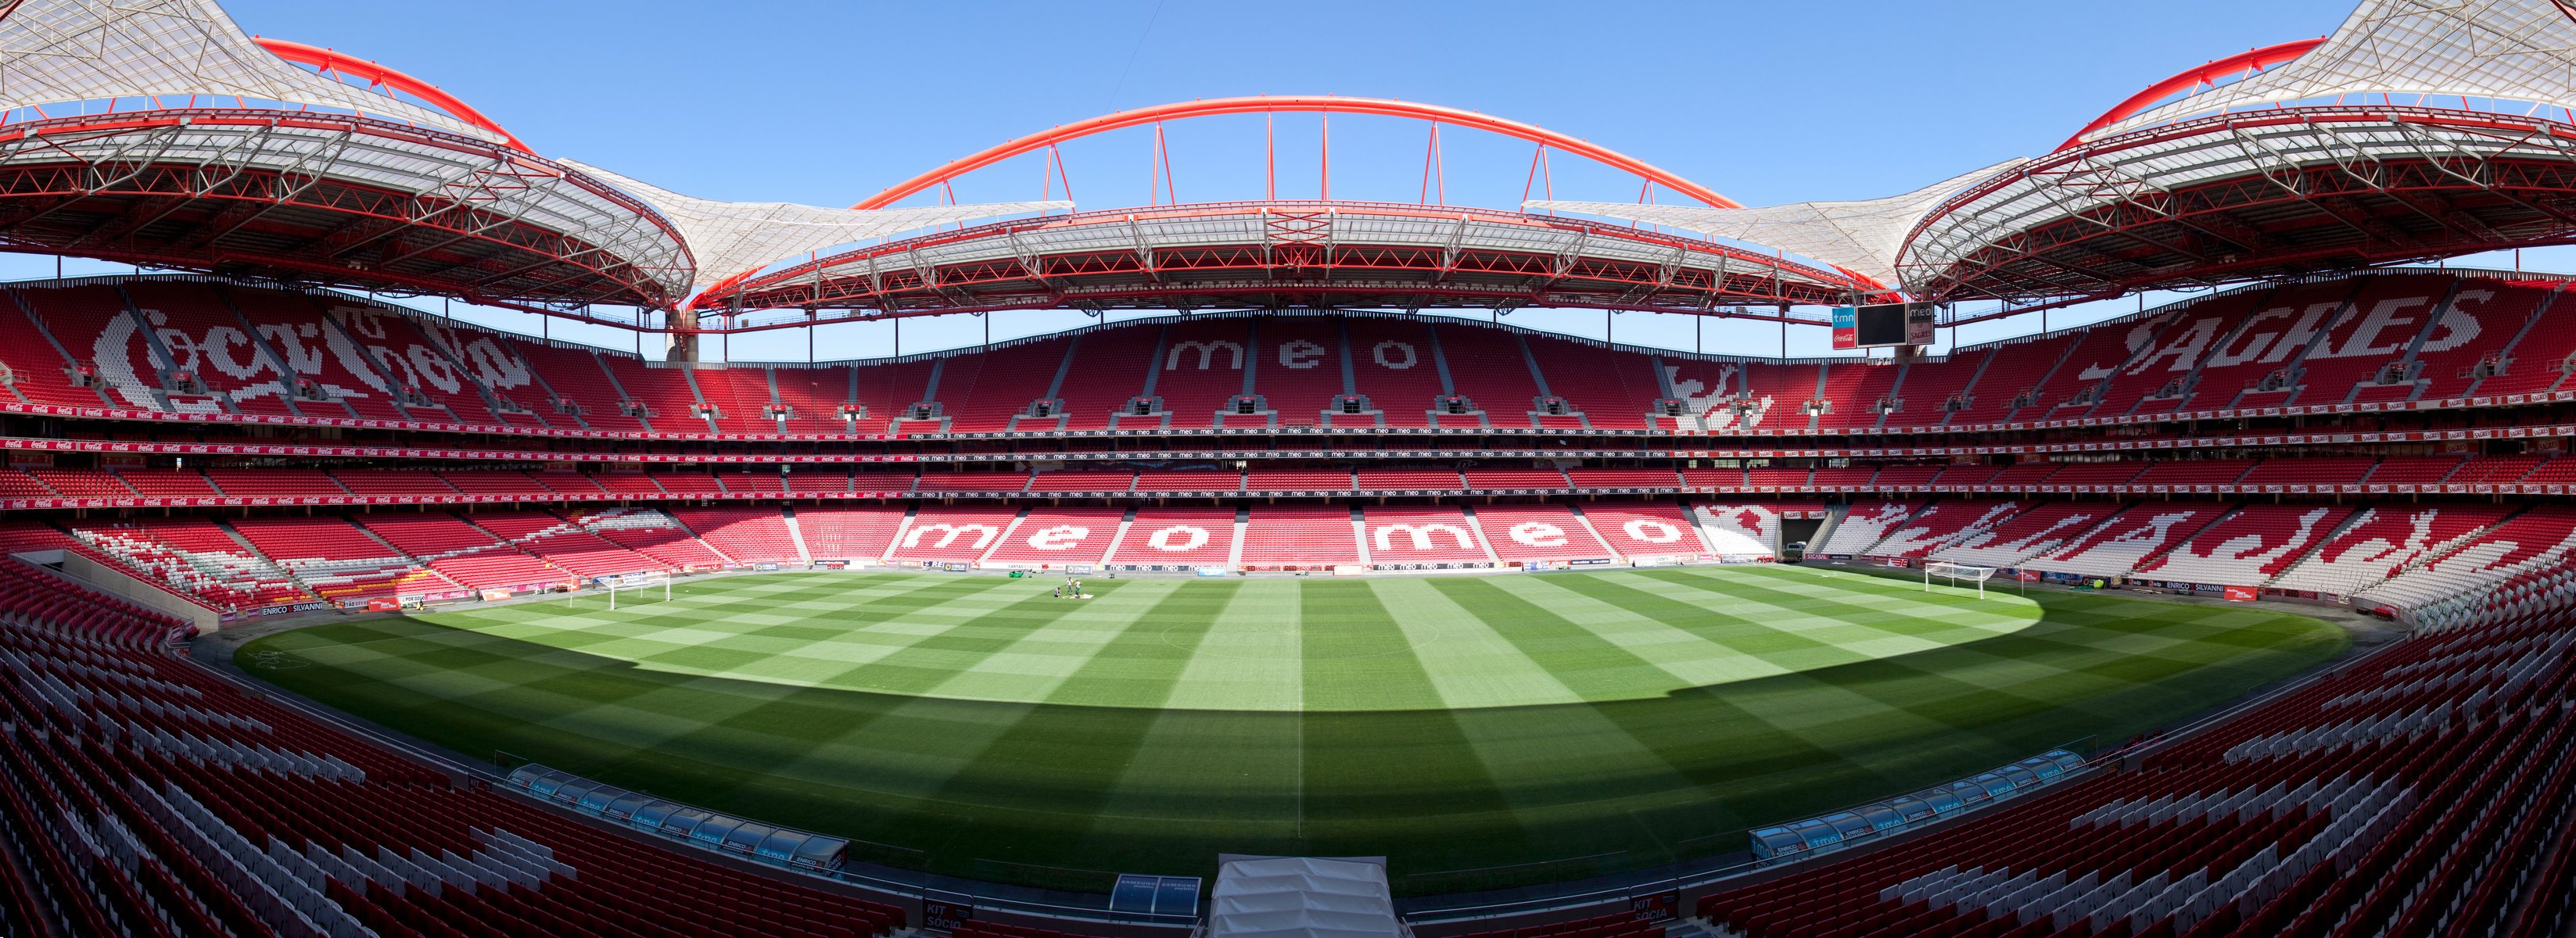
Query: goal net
[[1959, 574], [634, 586]]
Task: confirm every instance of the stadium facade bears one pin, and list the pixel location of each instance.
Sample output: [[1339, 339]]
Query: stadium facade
[[247, 434]]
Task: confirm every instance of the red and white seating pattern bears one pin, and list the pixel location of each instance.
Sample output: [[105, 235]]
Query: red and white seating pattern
[[1863, 525], [1408, 535], [2539, 539], [1645, 529], [1940, 524], [2249, 547], [1541, 533], [655, 535], [197, 556], [1187, 537], [2382, 539], [1747, 529], [2025, 535], [2132, 538], [950, 534], [1051, 538]]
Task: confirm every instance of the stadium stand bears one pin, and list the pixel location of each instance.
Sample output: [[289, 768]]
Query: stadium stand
[[1051, 538], [1291, 388], [853, 534], [1644, 530], [1178, 537], [1300, 536], [1419, 535], [2135, 537], [747, 535], [2248, 547], [243, 816], [1943, 523], [1538, 534]]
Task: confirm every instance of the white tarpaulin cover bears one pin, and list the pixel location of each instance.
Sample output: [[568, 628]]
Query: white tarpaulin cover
[[1302, 897]]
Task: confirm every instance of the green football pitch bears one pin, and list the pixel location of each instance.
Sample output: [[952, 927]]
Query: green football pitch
[[1555, 725]]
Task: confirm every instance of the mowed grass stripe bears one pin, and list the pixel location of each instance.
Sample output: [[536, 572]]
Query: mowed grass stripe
[[1377, 742], [1449, 723]]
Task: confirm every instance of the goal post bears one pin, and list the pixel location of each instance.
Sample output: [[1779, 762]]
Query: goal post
[[637, 581], [1957, 572]]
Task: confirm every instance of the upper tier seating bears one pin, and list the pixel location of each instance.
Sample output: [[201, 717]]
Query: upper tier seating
[[414, 482], [75, 483], [1494, 479], [287, 482], [2413, 470], [1081, 480], [1428, 480], [2378, 338]]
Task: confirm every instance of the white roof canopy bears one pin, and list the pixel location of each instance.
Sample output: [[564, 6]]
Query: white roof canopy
[[729, 238], [1860, 236], [1301, 897], [2516, 50], [61, 51]]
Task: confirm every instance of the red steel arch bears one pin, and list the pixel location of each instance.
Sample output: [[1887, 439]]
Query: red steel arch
[[376, 74], [1307, 104], [2254, 60]]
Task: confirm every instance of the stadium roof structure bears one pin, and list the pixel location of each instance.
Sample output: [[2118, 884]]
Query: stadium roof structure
[[157, 132], [1274, 253], [1860, 236], [1277, 254], [733, 240], [2414, 131]]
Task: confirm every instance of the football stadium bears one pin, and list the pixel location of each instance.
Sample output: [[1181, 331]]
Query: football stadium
[[392, 543]]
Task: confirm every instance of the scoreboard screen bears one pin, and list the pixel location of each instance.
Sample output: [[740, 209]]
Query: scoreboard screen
[[1880, 325]]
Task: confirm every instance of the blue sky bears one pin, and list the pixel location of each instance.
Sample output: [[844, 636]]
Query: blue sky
[[827, 103]]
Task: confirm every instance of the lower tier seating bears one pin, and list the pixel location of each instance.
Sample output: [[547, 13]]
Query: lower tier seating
[[208, 810]]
